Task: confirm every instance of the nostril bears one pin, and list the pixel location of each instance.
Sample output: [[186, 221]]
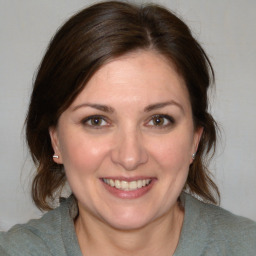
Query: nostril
[[129, 154]]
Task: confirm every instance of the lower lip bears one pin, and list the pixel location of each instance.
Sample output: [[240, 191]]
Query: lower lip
[[133, 194]]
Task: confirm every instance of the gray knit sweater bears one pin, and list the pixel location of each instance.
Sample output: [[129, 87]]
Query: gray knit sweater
[[207, 231]]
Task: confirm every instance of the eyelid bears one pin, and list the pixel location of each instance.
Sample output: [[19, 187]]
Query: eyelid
[[170, 118]]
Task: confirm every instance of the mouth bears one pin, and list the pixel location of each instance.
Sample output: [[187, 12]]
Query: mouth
[[127, 185]]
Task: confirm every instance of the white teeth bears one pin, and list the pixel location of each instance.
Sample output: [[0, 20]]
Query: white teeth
[[133, 185], [139, 183], [111, 183], [126, 185], [117, 184]]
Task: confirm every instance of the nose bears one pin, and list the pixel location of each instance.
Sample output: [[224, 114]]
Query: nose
[[129, 151]]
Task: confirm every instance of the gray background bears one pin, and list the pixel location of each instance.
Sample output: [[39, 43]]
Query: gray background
[[227, 31]]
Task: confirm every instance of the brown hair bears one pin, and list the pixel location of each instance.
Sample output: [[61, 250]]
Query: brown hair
[[80, 47]]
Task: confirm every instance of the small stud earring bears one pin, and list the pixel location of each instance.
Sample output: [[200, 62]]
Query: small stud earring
[[55, 156], [193, 156]]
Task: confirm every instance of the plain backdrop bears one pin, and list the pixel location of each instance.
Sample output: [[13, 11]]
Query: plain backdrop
[[227, 31]]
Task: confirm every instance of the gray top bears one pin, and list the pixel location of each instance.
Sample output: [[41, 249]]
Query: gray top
[[207, 230]]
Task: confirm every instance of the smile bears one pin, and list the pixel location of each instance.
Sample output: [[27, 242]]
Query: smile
[[127, 185]]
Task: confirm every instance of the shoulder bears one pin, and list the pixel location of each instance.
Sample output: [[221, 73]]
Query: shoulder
[[224, 230], [37, 237], [223, 221], [22, 240]]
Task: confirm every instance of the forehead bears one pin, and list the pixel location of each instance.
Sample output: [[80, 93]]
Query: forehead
[[138, 77]]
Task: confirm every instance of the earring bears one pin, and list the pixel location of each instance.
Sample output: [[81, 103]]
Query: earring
[[55, 156], [193, 156]]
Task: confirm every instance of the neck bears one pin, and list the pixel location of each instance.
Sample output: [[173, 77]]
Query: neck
[[160, 237]]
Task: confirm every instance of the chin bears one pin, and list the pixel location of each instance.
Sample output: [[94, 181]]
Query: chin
[[128, 224], [128, 220]]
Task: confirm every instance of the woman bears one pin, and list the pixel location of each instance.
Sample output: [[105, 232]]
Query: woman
[[119, 111]]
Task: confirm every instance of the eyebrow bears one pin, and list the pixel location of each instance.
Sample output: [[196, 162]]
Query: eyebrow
[[162, 105], [103, 108], [149, 108]]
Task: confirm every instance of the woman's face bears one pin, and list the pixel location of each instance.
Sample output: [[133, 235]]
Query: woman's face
[[126, 142]]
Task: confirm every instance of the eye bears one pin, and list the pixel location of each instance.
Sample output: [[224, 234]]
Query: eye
[[95, 121], [160, 121]]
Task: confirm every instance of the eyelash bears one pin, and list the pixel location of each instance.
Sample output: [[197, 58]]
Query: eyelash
[[100, 118]]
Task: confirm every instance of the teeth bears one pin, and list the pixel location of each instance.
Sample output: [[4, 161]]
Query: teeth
[[133, 185], [117, 184], [139, 183], [111, 183], [126, 185]]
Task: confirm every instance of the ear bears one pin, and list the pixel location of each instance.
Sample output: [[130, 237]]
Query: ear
[[55, 144], [197, 137]]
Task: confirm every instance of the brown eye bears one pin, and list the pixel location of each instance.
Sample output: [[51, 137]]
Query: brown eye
[[95, 121], [158, 120]]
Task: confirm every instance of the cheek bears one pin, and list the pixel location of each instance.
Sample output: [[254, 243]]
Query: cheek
[[173, 152], [81, 154]]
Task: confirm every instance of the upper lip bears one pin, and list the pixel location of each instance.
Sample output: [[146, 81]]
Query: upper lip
[[121, 178]]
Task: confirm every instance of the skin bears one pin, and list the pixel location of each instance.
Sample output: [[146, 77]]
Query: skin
[[126, 141]]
